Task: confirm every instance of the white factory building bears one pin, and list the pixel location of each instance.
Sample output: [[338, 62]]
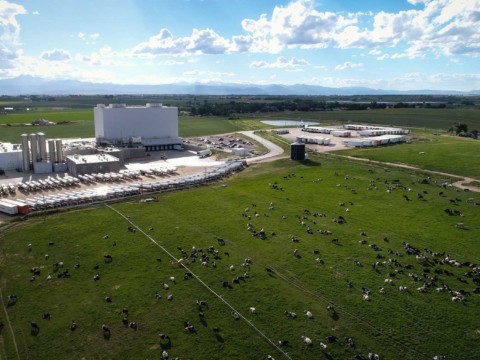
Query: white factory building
[[154, 126]]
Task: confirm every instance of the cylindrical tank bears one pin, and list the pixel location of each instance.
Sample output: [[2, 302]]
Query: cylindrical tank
[[297, 151], [42, 147], [51, 151], [59, 149], [34, 147], [25, 152]]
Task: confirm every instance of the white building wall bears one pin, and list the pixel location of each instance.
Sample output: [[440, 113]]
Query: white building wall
[[11, 160], [122, 122]]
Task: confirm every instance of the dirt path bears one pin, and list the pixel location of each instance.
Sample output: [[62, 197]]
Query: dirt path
[[462, 182]]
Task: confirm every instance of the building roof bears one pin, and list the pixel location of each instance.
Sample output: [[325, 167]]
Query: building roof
[[92, 159]]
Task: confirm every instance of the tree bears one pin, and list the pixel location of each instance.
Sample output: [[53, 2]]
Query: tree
[[460, 127]]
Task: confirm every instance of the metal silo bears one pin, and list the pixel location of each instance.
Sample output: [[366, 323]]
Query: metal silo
[[42, 147], [25, 152], [34, 147], [297, 151], [51, 151], [59, 148]]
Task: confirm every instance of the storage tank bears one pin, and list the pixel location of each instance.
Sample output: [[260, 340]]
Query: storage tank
[[25, 152], [42, 147], [297, 151], [51, 151], [34, 147], [59, 150]]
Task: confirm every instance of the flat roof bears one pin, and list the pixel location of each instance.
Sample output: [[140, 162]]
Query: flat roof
[[92, 159]]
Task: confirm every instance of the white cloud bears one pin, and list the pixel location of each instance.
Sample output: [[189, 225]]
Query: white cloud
[[35, 13], [89, 39], [9, 26], [204, 41], [280, 63], [56, 55], [348, 65]]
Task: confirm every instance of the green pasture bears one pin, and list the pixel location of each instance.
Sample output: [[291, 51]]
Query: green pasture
[[453, 155], [435, 119], [390, 207]]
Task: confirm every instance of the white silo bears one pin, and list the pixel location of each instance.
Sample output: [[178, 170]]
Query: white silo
[[34, 147], [59, 148], [51, 151], [42, 147], [25, 152]]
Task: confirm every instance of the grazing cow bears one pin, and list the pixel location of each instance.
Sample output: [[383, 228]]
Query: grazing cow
[[170, 297], [235, 315], [350, 342], [105, 329], [366, 297], [108, 299], [308, 314], [372, 356], [46, 316], [307, 340], [221, 241], [330, 338], [163, 336], [125, 321], [403, 288], [73, 325], [107, 258], [252, 310], [164, 355], [323, 346], [96, 277], [34, 328], [125, 311], [283, 343], [290, 314], [133, 325]]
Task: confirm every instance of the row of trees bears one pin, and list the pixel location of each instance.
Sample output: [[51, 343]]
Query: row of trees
[[208, 108]]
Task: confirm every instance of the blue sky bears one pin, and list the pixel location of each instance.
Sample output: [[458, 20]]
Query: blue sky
[[382, 44]]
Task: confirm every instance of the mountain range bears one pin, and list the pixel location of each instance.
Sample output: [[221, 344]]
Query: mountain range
[[27, 85]]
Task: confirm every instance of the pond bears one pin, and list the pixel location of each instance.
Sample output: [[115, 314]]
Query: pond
[[288, 122]]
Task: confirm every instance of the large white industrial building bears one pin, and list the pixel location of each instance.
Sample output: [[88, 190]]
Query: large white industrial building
[[154, 126]]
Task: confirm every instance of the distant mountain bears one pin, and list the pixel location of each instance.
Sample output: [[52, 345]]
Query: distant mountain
[[27, 85]]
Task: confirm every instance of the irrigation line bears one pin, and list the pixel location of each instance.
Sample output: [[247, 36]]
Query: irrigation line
[[203, 283], [9, 324]]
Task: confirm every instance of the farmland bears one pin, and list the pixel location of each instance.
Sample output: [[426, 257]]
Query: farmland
[[386, 209], [448, 154]]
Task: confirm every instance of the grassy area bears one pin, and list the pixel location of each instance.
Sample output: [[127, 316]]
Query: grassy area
[[390, 324], [448, 154], [437, 119]]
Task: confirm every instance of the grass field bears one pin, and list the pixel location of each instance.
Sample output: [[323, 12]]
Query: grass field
[[81, 121], [452, 155], [413, 324], [436, 119]]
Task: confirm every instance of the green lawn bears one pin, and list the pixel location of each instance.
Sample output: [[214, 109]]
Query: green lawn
[[283, 194], [453, 155]]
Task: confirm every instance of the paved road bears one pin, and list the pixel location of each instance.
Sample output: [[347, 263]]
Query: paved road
[[273, 150]]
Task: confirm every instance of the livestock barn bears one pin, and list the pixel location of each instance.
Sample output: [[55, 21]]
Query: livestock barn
[[154, 126]]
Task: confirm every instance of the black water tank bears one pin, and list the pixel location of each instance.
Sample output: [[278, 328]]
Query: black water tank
[[297, 151]]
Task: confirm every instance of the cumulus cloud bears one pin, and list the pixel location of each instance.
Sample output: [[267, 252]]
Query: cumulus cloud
[[280, 63], [204, 41], [56, 55], [9, 26], [348, 65]]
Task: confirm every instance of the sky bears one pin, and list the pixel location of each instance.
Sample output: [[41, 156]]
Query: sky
[[380, 44]]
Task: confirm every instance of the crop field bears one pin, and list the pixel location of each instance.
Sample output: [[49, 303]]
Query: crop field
[[334, 231], [452, 155]]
